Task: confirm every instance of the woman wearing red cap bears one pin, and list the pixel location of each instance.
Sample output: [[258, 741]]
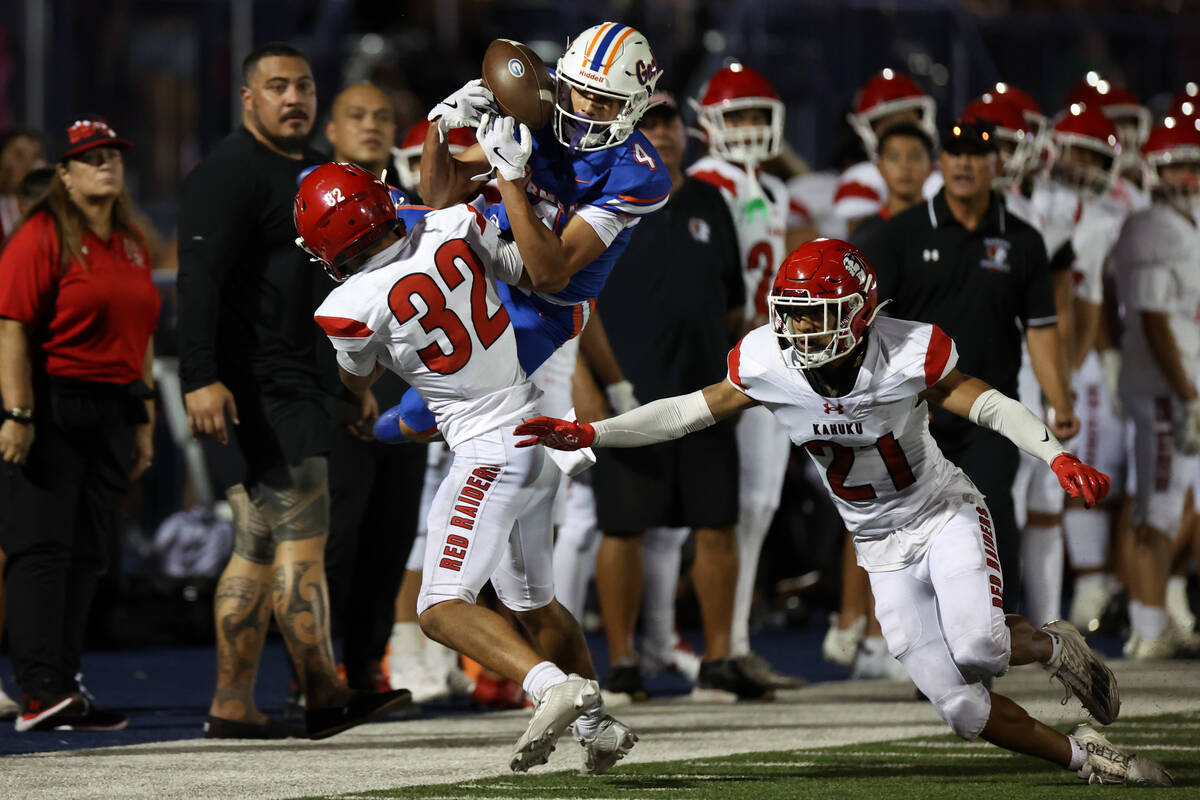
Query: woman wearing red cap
[[77, 311]]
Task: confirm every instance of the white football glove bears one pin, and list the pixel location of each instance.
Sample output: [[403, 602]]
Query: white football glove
[[464, 108], [620, 397], [507, 155], [1191, 428]]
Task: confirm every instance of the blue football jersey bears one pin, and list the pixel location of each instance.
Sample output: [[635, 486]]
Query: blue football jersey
[[629, 180]]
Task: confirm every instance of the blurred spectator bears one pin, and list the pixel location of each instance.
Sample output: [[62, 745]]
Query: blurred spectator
[[905, 162], [673, 304], [21, 150], [249, 350], [374, 488], [78, 309]]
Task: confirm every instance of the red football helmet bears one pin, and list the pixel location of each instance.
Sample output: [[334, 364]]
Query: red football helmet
[[1033, 114], [1085, 129], [736, 87], [1121, 106], [888, 93], [341, 210], [827, 280], [408, 154], [1011, 127], [1175, 142]]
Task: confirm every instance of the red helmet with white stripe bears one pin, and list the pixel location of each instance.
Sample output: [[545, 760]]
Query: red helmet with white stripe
[[1011, 129], [1033, 113], [340, 210], [886, 94], [408, 154], [737, 88], [1174, 143], [824, 290], [1086, 148]]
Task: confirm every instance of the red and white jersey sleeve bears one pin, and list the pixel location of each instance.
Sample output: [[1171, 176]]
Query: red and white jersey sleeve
[[427, 309], [860, 192], [759, 208], [1157, 264], [889, 481], [810, 204]]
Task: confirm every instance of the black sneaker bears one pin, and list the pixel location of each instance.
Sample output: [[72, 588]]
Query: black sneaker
[[362, 706], [218, 728], [626, 679], [726, 675], [72, 713]]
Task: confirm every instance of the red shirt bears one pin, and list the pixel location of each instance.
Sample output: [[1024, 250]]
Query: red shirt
[[91, 322]]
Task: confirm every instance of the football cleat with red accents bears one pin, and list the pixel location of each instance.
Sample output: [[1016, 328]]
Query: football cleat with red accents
[[1080, 480], [559, 434]]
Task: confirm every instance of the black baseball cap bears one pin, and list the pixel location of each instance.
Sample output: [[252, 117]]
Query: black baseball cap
[[89, 131], [974, 137]]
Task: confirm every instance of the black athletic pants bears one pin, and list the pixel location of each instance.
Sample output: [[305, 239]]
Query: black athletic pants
[[375, 492], [58, 513], [990, 461]]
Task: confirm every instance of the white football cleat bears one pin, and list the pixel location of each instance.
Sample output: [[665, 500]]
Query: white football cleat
[[9, 708], [1139, 649], [1107, 764], [1087, 606], [1083, 674], [841, 645], [612, 741], [553, 712]]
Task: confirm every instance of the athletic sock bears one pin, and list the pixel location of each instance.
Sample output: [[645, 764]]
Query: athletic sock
[[1177, 603], [1041, 572], [1087, 533], [1055, 647], [407, 637], [1149, 622], [543, 675], [1078, 754], [752, 529], [662, 552], [587, 723]]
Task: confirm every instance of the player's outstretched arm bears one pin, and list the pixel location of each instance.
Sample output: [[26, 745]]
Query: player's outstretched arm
[[660, 421], [977, 401], [550, 260]]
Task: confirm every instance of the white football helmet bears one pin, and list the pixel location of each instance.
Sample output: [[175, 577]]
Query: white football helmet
[[611, 60]]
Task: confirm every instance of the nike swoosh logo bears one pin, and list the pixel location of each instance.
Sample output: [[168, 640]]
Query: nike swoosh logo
[[499, 155], [449, 104], [1045, 435]]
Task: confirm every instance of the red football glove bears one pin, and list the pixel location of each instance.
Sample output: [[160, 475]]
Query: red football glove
[[1080, 480], [560, 434]]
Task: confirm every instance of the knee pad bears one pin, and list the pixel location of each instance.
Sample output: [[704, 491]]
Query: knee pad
[[966, 709], [252, 537], [294, 501], [980, 654]]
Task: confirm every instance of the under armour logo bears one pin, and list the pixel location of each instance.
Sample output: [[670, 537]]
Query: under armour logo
[[930, 255], [832, 407]]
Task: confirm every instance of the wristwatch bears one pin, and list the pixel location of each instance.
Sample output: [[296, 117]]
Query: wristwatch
[[21, 415]]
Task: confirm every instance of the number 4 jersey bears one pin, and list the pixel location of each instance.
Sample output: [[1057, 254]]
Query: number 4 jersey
[[891, 484], [427, 309]]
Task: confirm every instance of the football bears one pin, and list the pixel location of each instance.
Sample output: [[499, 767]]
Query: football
[[520, 82]]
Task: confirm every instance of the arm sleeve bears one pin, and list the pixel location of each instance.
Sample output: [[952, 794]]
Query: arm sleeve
[[27, 273], [995, 411], [660, 421], [215, 218], [1038, 308]]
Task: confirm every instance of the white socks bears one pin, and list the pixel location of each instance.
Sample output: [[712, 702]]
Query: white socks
[[1041, 572], [753, 525], [1055, 645], [1087, 534], [1149, 622], [543, 675], [1078, 755], [662, 552], [1177, 603]]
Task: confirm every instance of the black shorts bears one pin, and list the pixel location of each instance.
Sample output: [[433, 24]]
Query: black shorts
[[691, 482], [278, 429]]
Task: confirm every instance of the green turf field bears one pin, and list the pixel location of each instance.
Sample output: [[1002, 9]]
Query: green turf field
[[929, 768]]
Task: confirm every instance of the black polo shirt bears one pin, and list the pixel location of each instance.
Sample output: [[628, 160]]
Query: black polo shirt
[[982, 287], [665, 302]]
